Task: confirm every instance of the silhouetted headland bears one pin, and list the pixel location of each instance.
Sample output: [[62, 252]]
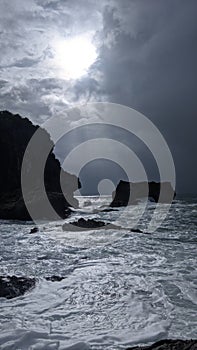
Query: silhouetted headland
[[15, 134]]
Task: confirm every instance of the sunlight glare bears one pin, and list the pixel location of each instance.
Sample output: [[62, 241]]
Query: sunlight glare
[[74, 56]]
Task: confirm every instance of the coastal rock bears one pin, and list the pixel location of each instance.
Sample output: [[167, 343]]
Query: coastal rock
[[34, 230], [169, 344], [82, 224], [12, 286], [15, 134], [12, 206], [121, 196], [106, 210], [54, 278]]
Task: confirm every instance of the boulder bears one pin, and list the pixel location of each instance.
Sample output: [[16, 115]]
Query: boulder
[[13, 286], [54, 278], [34, 230]]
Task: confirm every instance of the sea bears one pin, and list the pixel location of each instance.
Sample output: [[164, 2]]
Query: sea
[[120, 288]]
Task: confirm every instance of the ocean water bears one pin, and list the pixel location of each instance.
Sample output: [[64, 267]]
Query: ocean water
[[120, 289]]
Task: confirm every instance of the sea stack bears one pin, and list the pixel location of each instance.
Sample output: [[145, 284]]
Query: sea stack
[[127, 193]]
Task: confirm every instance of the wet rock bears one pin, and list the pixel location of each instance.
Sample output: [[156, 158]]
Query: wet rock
[[108, 210], [87, 203], [34, 230], [83, 224], [137, 230], [54, 278], [169, 344], [13, 286]]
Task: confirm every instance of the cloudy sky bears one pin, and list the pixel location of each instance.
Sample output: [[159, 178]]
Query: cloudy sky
[[142, 54]]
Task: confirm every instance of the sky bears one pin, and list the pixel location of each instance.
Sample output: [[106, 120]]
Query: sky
[[138, 53]]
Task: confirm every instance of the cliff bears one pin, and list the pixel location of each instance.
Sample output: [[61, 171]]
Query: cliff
[[15, 133], [121, 194]]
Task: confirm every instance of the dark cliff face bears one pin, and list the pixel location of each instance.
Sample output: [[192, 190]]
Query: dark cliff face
[[15, 134], [121, 197]]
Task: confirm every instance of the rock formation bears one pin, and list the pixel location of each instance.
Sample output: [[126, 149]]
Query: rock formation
[[34, 230], [14, 286], [91, 224], [169, 344], [121, 196], [15, 134]]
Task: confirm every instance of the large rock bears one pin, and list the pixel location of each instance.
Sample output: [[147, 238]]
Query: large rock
[[92, 224], [169, 344], [121, 196], [12, 286], [15, 134]]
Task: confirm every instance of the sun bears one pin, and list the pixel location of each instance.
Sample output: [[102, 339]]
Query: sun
[[74, 56]]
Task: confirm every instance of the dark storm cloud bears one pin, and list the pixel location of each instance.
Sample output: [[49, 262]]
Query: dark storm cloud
[[157, 59], [152, 67]]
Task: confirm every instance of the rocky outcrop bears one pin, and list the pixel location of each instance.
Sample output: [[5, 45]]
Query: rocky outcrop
[[54, 278], [121, 196], [12, 286], [34, 230], [91, 224], [15, 134], [169, 344]]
